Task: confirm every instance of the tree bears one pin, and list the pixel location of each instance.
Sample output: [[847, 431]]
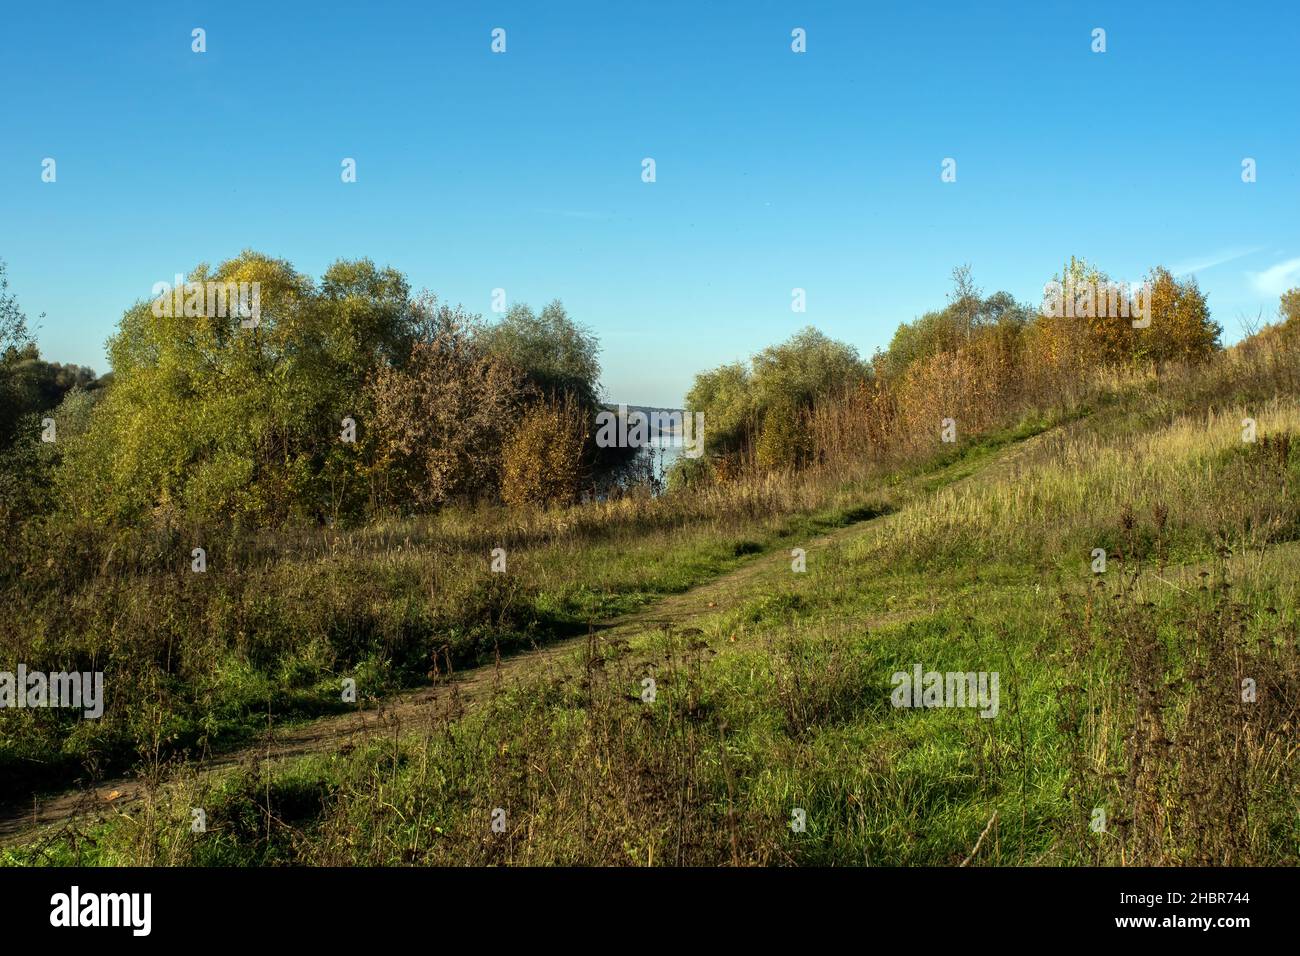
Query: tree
[[1289, 307], [557, 355], [440, 419], [729, 405], [1181, 328], [211, 415], [15, 337], [784, 440], [796, 372], [1086, 320], [16, 348], [967, 315], [781, 382]]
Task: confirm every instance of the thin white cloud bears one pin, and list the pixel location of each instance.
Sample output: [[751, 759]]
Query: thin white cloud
[[1276, 279], [1189, 266]]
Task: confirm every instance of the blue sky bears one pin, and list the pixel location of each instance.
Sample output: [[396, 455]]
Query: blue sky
[[775, 170]]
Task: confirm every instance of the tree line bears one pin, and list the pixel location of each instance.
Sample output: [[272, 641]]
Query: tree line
[[351, 396]]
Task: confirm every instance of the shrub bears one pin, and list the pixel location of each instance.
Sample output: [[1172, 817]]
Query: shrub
[[784, 440], [440, 420], [543, 461]]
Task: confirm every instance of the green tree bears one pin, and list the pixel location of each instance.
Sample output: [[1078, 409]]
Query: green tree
[[728, 402], [210, 416], [557, 355], [806, 365], [784, 440], [782, 382], [967, 314], [17, 347]]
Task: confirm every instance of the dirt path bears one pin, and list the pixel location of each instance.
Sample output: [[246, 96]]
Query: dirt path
[[417, 708]]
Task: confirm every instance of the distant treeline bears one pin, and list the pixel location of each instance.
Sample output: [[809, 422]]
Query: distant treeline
[[977, 363], [352, 397], [29, 385]]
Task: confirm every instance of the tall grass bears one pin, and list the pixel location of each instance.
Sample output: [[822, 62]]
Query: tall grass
[[1061, 500], [1120, 696], [197, 661], [1114, 699]]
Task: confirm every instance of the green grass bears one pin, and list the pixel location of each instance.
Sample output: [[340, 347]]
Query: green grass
[[780, 703], [201, 663], [1119, 692]]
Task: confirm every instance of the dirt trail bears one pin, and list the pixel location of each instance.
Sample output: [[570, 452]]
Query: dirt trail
[[416, 708], [413, 709]]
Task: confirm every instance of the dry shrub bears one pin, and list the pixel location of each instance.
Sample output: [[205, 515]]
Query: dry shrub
[[543, 458], [1190, 767], [784, 440], [441, 419], [980, 385]]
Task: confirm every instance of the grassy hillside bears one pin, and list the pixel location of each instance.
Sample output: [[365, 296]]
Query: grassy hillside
[[1121, 734]]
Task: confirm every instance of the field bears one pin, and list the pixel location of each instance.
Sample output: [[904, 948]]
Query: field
[[1148, 711]]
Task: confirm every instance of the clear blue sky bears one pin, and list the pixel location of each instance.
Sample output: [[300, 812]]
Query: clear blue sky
[[775, 170]]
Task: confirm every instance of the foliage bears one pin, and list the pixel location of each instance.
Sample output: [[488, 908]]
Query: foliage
[[543, 461], [1289, 308], [441, 418], [209, 418], [557, 355], [947, 329], [783, 380], [16, 348], [783, 440], [1181, 329]]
